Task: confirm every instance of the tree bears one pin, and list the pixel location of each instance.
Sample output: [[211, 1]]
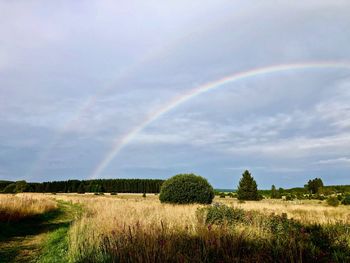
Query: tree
[[247, 189], [186, 189], [21, 186], [313, 186], [274, 193], [10, 189], [81, 189]]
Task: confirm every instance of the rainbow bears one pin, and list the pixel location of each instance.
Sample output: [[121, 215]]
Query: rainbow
[[155, 54], [128, 72], [120, 143]]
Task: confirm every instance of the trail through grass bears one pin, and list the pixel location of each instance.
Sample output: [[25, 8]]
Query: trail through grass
[[39, 239]]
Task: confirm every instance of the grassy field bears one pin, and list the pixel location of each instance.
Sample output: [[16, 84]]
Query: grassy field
[[131, 228]]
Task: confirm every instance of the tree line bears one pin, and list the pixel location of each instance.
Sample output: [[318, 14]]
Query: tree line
[[92, 186], [314, 189]]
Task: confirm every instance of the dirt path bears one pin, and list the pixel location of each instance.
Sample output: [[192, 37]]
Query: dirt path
[[26, 241]]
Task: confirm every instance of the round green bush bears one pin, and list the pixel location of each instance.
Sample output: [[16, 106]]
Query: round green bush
[[346, 200], [186, 189]]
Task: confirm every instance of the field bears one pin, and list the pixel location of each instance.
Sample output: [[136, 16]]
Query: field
[[132, 228]]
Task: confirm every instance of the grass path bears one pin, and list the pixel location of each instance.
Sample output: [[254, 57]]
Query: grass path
[[40, 239]]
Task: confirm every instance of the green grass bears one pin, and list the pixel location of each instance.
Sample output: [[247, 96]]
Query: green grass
[[55, 247], [39, 239]]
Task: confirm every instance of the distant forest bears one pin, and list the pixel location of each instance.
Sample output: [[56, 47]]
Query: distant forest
[[140, 186], [92, 186]]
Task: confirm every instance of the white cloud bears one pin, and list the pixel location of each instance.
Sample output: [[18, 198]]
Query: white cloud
[[340, 160]]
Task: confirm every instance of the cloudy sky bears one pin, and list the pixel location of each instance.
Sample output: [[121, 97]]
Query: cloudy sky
[[82, 83]]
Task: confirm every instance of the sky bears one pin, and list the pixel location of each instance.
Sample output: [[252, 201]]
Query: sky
[[100, 89]]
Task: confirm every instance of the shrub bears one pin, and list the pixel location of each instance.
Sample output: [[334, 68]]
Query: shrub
[[219, 214], [222, 195], [114, 193], [346, 200], [333, 201], [290, 197], [320, 197], [186, 189]]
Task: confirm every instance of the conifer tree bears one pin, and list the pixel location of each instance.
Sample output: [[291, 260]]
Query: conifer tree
[[247, 189], [274, 193]]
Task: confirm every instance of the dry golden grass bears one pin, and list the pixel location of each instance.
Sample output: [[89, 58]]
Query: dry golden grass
[[20, 206], [127, 214], [305, 211], [128, 220], [116, 228]]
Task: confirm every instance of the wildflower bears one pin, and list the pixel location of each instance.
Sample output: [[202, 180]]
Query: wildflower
[[209, 227], [162, 242]]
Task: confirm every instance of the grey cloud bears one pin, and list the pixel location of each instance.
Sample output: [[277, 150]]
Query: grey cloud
[[126, 59]]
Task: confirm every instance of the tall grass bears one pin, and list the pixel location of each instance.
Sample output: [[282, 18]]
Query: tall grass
[[114, 229], [305, 211], [14, 208]]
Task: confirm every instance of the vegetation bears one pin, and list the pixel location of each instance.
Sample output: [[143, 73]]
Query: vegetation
[[333, 201], [289, 240], [186, 189], [346, 200], [287, 227], [314, 185], [274, 193], [222, 195], [91, 186], [16, 208], [247, 189], [140, 230], [130, 228]]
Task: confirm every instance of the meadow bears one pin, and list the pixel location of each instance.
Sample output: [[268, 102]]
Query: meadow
[[133, 228]]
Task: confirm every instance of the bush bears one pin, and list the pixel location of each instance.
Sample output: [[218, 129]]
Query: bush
[[346, 200], [222, 195], [290, 197], [230, 195], [333, 201], [219, 214], [186, 189], [320, 197], [114, 193]]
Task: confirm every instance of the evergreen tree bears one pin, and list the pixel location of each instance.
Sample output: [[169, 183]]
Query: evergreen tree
[[314, 185], [247, 189], [81, 189], [274, 193]]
